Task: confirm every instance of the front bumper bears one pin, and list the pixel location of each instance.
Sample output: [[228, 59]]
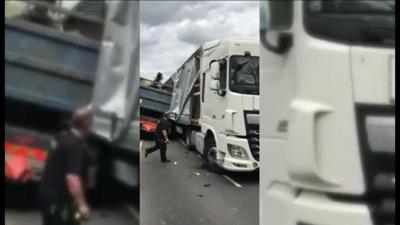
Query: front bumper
[[227, 162], [312, 209]]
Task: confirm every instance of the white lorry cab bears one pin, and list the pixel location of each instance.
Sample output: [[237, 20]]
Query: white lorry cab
[[215, 104], [327, 99]]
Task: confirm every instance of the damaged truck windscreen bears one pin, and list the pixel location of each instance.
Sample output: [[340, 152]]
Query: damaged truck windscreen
[[244, 74]]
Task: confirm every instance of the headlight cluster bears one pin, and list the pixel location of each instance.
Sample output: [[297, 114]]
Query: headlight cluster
[[237, 152], [381, 133], [253, 118]]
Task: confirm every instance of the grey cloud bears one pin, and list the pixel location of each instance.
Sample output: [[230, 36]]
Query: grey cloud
[[172, 31], [148, 37], [154, 13], [194, 34]]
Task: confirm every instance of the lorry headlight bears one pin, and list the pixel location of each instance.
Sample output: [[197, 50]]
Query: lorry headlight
[[253, 118], [237, 152], [381, 133]]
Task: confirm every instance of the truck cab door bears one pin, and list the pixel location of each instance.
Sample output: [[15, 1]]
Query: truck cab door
[[116, 90]]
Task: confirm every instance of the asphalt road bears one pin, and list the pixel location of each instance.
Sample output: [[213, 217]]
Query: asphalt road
[[115, 216], [20, 209], [183, 192]]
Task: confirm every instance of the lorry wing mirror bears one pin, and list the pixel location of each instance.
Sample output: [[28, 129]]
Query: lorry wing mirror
[[277, 16], [214, 85], [284, 42], [214, 70]]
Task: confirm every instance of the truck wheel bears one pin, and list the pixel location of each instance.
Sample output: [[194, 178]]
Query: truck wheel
[[210, 155]]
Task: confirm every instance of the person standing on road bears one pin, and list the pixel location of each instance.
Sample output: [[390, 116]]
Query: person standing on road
[[61, 191], [161, 138]]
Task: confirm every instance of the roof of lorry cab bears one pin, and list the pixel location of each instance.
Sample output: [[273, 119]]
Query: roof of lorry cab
[[230, 39], [211, 44]]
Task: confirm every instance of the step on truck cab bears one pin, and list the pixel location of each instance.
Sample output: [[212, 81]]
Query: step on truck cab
[[214, 104], [327, 113]]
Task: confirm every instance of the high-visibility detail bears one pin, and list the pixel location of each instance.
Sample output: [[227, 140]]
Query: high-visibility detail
[[7, 170], [17, 169], [148, 126]]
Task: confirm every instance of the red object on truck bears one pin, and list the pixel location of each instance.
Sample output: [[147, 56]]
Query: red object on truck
[[147, 125], [19, 159], [25, 154]]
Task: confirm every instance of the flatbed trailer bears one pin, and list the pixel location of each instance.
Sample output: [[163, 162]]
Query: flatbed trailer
[[57, 70], [48, 73]]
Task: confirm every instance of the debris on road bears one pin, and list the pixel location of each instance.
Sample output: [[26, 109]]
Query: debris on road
[[207, 185], [196, 173], [175, 163], [200, 195]]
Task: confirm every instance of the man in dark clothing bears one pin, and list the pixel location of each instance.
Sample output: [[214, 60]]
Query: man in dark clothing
[[61, 192], [161, 138], [157, 81]]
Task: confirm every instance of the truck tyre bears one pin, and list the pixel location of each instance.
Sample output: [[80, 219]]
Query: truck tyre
[[209, 155]]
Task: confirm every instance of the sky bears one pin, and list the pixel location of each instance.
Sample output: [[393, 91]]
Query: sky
[[170, 31]]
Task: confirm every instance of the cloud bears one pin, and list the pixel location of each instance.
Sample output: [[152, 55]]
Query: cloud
[[171, 31]]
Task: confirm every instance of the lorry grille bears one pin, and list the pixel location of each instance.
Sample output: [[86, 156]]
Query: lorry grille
[[378, 159], [253, 135]]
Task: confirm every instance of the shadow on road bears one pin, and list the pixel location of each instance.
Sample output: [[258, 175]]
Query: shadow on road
[[241, 177], [244, 178]]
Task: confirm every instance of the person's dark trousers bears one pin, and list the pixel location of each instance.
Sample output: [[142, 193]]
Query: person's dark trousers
[[57, 213], [160, 144]]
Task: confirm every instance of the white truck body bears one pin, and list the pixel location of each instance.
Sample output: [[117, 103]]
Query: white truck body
[[327, 114], [116, 90], [205, 104]]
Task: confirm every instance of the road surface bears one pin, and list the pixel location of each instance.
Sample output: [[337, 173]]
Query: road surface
[[183, 193], [20, 209], [115, 216]]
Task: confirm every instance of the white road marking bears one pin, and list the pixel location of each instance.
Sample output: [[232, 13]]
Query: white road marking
[[232, 181], [133, 212], [140, 145]]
